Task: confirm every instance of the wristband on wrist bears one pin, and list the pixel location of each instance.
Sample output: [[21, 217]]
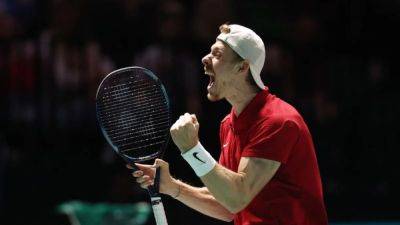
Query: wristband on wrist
[[200, 160]]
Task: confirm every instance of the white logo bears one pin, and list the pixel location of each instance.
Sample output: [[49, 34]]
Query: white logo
[[225, 145]]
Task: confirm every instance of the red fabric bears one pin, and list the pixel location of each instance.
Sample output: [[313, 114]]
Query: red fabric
[[272, 129]]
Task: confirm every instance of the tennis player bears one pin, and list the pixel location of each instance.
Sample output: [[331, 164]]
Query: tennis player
[[267, 171]]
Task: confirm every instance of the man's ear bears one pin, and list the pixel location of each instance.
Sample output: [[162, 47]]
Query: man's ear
[[244, 67]]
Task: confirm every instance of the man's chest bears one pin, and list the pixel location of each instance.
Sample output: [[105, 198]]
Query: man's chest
[[232, 146]]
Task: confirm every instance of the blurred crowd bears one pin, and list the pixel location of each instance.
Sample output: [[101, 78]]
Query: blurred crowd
[[335, 61]]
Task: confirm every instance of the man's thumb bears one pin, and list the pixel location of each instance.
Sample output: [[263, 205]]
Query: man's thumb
[[161, 163], [143, 167]]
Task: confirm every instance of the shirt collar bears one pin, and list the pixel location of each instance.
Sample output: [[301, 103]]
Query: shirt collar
[[248, 115]]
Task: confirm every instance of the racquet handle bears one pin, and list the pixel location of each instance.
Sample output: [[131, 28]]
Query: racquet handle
[[158, 210]]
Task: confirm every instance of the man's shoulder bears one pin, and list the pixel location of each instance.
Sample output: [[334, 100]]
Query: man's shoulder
[[279, 110], [279, 113]]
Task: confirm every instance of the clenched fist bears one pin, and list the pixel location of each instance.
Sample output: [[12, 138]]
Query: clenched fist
[[185, 132]]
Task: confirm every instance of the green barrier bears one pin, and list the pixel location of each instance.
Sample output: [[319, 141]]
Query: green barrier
[[82, 213]]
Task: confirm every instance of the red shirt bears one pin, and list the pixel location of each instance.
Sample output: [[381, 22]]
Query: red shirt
[[272, 129]]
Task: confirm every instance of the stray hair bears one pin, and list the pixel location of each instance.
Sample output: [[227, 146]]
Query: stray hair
[[224, 28]]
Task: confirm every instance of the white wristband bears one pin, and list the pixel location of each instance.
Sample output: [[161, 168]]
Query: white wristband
[[200, 160]]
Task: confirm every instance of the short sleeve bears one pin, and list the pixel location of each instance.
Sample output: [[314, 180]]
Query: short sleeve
[[272, 140]]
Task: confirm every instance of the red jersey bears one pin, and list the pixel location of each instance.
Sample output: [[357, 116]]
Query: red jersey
[[272, 129]]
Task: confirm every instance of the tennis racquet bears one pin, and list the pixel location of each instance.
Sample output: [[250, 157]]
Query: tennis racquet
[[134, 115]]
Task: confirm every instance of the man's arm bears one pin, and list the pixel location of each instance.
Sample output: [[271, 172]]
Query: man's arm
[[233, 190], [203, 201], [236, 190], [199, 199]]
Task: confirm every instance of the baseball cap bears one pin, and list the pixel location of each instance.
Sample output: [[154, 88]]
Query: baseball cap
[[248, 45]]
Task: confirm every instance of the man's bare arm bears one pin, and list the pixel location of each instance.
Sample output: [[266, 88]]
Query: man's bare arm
[[236, 190], [200, 199]]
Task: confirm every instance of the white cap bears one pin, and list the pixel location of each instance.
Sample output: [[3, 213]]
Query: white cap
[[248, 45]]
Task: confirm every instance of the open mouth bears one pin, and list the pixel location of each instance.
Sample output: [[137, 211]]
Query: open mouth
[[211, 75]]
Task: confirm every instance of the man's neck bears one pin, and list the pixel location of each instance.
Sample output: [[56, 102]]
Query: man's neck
[[241, 98]]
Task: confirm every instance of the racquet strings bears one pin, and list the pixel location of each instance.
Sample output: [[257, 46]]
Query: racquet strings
[[135, 115]]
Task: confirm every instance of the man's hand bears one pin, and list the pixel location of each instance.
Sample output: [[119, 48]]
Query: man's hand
[[185, 132], [146, 173]]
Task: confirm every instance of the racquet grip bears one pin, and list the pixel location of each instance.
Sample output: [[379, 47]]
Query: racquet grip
[[158, 210]]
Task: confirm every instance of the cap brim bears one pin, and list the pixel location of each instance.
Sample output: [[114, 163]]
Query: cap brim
[[256, 77]]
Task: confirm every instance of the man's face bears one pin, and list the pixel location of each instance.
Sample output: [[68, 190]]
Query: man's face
[[219, 65]]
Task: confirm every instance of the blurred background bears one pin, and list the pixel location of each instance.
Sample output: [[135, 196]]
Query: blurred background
[[335, 61]]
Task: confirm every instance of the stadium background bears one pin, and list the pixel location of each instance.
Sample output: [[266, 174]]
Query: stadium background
[[335, 61]]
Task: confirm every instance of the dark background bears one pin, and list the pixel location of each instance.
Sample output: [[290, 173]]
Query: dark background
[[335, 61]]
